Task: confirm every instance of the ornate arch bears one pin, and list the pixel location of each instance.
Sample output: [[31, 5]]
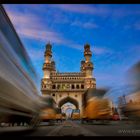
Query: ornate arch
[[68, 99]]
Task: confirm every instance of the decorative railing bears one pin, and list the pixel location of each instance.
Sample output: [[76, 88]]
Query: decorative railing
[[68, 74]]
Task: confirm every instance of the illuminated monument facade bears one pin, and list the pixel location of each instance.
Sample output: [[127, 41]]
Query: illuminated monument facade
[[67, 87]]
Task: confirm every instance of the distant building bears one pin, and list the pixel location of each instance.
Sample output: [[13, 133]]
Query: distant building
[[129, 105]]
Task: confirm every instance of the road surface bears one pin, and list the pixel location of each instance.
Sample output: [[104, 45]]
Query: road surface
[[73, 128]]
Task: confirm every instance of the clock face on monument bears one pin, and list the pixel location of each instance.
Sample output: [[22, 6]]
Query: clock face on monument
[[65, 87], [47, 86], [68, 86]]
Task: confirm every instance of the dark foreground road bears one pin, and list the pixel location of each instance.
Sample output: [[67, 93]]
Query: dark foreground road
[[70, 128]]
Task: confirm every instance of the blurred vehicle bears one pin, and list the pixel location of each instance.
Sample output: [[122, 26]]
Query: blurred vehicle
[[115, 114], [58, 116], [129, 105], [48, 114], [48, 111], [19, 97], [75, 114], [115, 117], [131, 108], [63, 116], [96, 107]]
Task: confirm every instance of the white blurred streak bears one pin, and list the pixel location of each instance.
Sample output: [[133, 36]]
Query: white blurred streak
[[10, 68], [19, 98]]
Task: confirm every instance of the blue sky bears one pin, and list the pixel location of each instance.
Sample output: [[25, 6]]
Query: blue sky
[[112, 30]]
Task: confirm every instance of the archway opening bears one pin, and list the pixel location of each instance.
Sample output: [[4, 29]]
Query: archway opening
[[67, 109], [68, 99], [67, 106]]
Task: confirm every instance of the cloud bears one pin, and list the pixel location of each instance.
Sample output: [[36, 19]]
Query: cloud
[[137, 25], [100, 50], [36, 54], [98, 10], [30, 26], [82, 9], [87, 25], [34, 33], [97, 50], [134, 26], [103, 77], [109, 79]]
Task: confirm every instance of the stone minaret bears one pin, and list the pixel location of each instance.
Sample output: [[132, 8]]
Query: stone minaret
[[87, 67], [88, 63], [82, 66], [47, 65], [48, 68]]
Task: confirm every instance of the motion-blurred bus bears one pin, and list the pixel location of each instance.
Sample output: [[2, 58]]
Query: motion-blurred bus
[[19, 97]]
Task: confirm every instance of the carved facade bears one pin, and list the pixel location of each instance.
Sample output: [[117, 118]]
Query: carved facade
[[67, 87]]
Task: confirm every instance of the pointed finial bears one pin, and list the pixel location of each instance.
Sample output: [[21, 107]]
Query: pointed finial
[[87, 46], [48, 46]]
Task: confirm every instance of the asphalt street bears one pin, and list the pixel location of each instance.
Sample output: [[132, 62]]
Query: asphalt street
[[73, 128]]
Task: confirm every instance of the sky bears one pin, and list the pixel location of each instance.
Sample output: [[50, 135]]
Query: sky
[[112, 30]]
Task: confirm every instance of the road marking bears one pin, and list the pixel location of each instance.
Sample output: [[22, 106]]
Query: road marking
[[85, 131], [54, 131], [68, 129]]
